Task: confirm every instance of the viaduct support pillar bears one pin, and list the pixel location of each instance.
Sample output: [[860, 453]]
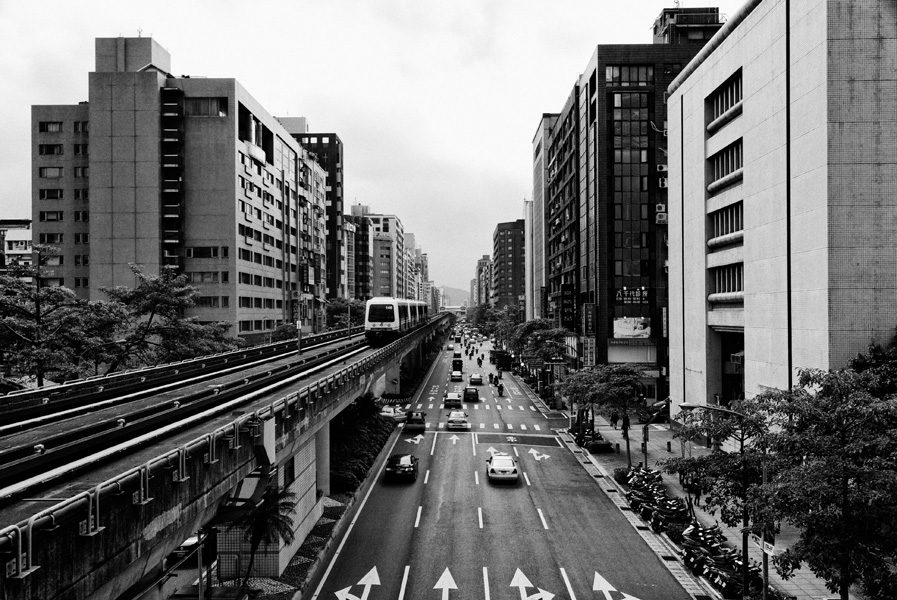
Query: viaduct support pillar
[[322, 458]]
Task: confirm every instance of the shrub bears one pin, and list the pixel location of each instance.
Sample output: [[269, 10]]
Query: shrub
[[621, 475], [674, 532]]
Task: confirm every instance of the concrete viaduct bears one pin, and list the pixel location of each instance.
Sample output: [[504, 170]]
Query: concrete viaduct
[[109, 538]]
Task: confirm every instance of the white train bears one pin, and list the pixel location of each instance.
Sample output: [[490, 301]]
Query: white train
[[386, 319]]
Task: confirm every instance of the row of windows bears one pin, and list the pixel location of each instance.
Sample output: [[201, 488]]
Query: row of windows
[[207, 276], [259, 280], [725, 96], [207, 252], [57, 238], [57, 194], [213, 302], [259, 324], [259, 236], [727, 220], [260, 259], [726, 161], [256, 302], [57, 215], [56, 126], [205, 107], [57, 149], [729, 278], [629, 75], [57, 172]]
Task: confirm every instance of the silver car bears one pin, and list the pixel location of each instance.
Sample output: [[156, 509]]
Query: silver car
[[457, 420], [501, 467]]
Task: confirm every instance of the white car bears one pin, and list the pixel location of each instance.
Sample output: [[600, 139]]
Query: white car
[[457, 376], [393, 412], [476, 379], [457, 420], [501, 467]]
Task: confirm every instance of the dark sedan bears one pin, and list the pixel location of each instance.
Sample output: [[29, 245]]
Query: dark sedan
[[401, 466]]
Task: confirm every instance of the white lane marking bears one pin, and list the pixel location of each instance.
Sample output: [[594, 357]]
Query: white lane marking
[[498, 406], [404, 582], [473, 444], [476, 407], [537, 428], [521, 407], [485, 583], [515, 451], [421, 405], [495, 425], [433, 447], [349, 528], [476, 478], [408, 406], [428, 425], [420, 508], [429, 407], [567, 583], [532, 408], [541, 517], [525, 476], [510, 426], [426, 476], [482, 425], [480, 516], [523, 426], [441, 425]]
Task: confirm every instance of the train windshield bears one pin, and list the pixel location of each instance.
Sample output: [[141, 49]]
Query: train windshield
[[381, 313]]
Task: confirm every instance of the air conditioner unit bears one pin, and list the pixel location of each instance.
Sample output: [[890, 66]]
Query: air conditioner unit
[[662, 182], [661, 207], [661, 218], [661, 168]]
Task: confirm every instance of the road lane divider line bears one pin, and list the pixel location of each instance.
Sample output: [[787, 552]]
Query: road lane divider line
[[485, 583], [351, 526], [525, 476], [476, 478], [417, 519], [537, 428], [433, 447], [567, 583], [426, 476], [482, 426], [510, 426], [473, 443], [542, 518], [480, 516], [404, 582], [523, 426], [495, 425]]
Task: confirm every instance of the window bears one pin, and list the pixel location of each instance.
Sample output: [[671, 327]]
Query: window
[[81, 172], [52, 260], [225, 301], [49, 238], [49, 149], [50, 215], [727, 220], [245, 302], [82, 260], [81, 126], [82, 238], [82, 215], [50, 194], [205, 107], [49, 172], [207, 302], [83, 194], [202, 277], [81, 282], [80, 150], [201, 252], [629, 75], [49, 126], [726, 162], [725, 97], [729, 278], [246, 278], [245, 325], [257, 302]]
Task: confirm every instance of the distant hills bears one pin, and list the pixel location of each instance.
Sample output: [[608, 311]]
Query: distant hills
[[454, 296]]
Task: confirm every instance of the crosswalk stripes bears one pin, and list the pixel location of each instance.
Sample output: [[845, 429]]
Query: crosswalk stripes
[[523, 426]]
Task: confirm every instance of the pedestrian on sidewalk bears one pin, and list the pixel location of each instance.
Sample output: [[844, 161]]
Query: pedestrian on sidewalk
[[614, 417]]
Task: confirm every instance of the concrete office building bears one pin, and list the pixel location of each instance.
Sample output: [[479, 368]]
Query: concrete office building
[[186, 172], [388, 259], [606, 203], [364, 251], [536, 292], [783, 172], [482, 295], [508, 265]]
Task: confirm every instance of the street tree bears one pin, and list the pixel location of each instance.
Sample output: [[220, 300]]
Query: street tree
[[520, 334], [833, 453], [270, 522], [338, 311], [547, 344], [155, 329]]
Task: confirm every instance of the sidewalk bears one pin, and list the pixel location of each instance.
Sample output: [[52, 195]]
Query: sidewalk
[[802, 585]]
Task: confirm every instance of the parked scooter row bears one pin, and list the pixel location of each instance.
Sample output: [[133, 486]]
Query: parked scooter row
[[648, 497], [704, 553]]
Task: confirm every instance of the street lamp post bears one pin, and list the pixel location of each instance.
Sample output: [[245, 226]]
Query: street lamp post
[[744, 510]]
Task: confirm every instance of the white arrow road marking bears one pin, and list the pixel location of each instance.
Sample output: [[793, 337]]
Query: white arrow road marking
[[371, 578], [600, 584], [520, 582], [445, 583], [431, 398], [537, 455], [492, 451], [454, 439], [416, 439]]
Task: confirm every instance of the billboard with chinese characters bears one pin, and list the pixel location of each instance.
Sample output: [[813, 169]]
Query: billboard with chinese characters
[[568, 306], [631, 296], [632, 327]]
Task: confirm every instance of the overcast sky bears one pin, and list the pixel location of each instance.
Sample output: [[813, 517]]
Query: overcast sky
[[436, 101]]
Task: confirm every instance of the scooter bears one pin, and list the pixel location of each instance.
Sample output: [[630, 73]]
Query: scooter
[[501, 390]]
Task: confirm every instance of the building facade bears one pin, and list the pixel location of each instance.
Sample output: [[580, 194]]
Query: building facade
[[183, 172], [508, 264], [483, 291], [606, 204], [536, 291], [15, 244], [783, 168]]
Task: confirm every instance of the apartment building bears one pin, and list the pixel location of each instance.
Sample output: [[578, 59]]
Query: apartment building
[[783, 171], [508, 264], [15, 244], [187, 172]]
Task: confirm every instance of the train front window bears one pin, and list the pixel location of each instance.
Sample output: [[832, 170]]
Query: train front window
[[381, 313]]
